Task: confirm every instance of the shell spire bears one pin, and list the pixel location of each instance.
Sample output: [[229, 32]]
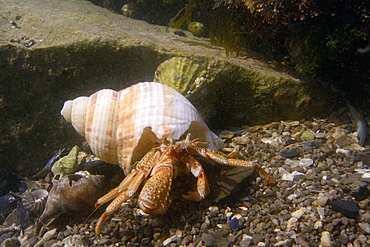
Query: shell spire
[[74, 111]]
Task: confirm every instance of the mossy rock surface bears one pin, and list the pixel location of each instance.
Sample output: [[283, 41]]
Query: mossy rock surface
[[52, 51]]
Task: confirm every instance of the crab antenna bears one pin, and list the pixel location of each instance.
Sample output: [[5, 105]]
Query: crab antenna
[[88, 217]]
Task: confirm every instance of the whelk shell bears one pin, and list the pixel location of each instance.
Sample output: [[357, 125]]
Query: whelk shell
[[122, 126]]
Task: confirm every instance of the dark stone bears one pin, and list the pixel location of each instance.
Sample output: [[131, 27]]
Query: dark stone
[[208, 239], [290, 153], [234, 224], [347, 208]]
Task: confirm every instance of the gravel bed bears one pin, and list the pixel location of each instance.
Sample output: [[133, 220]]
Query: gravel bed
[[321, 197]]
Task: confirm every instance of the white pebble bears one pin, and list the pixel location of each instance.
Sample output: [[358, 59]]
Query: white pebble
[[282, 243], [297, 214], [245, 237], [325, 239], [169, 240], [343, 151], [295, 217], [46, 237], [321, 212], [213, 210], [292, 197], [318, 224], [291, 163], [229, 215], [287, 177], [305, 162]]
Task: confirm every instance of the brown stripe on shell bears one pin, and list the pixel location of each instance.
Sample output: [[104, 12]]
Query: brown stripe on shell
[[90, 112], [102, 126], [127, 136]]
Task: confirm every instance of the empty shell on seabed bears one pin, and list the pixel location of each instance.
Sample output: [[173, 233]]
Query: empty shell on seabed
[[34, 201], [122, 126], [74, 192], [66, 164]]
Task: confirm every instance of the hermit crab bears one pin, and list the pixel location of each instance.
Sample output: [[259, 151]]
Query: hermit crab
[[155, 125]]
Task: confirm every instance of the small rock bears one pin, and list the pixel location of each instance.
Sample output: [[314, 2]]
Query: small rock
[[319, 135], [246, 240], [321, 212], [343, 237], [305, 162], [257, 238], [234, 224], [11, 242], [214, 210], [320, 202], [290, 153], [318, 224], [296, 215], [186, 240], [365, 227], [290, 176], [169, 240], [301, 242], [347, 208], [308, 135], [325, 240], [341, 138], [208, 239], [311, 174]]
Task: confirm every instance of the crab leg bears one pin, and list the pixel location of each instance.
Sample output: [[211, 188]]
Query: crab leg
[[247, 164], [127, 187], [222, 159], [113, 206], [202, 182]]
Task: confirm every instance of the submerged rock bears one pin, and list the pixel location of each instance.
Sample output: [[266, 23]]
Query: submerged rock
[[347, 208]]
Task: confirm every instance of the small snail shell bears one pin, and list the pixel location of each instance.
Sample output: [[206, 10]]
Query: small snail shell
[[121, 127], [34, 201]]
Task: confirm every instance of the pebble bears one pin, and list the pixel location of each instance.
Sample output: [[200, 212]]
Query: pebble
[[321, 201], [365, 227], [234, 224], [208, 239], [325, 240], [343, 237], [305, 162], [308, 135], [349, 209]]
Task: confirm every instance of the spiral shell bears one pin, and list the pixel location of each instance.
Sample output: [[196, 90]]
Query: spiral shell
[[121, 127], [34, 201]]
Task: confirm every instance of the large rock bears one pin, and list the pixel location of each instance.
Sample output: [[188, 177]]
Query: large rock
[[52, 51]]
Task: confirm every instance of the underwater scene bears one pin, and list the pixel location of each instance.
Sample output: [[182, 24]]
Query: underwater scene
[[184, 123]]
